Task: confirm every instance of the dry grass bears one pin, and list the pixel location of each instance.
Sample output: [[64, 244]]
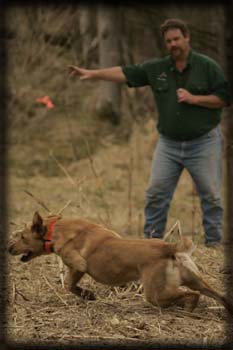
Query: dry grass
[[40, 310]]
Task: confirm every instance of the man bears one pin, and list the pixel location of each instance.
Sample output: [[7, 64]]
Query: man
[[190, 91]]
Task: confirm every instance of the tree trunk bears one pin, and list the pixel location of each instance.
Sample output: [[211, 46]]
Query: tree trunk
[[109, 99], [85, 28]]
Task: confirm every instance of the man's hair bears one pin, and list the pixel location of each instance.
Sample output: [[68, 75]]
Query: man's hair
[[174, 23]]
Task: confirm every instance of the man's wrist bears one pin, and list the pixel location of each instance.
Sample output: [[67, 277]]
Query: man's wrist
[[95, 74], [195, 99]]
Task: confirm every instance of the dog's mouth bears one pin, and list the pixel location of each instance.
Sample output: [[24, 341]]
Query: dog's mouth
[[27, 256]]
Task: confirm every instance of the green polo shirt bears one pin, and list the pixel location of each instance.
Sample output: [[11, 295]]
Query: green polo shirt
[[202, 76]]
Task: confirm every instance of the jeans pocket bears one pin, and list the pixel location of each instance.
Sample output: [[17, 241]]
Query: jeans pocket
[[214, 133]]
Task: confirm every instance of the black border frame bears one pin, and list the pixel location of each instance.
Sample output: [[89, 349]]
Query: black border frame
[[100, 345]]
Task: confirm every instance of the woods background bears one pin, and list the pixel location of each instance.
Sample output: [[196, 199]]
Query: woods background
[[43, 41]]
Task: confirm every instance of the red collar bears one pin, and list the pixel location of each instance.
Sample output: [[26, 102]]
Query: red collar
[[48, 244]]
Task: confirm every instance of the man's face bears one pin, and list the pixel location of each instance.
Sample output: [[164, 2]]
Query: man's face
[[176, 43]]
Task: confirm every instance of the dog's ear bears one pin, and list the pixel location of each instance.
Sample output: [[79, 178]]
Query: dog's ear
[[37, 224]]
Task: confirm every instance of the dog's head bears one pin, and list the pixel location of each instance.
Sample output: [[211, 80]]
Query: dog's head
[[29, 242]]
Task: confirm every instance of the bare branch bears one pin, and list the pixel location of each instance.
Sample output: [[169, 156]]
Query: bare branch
[[38, 201], [62, 168], [65, 206], [172, 229]]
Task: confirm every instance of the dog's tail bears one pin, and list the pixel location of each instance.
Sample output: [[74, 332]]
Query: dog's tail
[[184, 245]]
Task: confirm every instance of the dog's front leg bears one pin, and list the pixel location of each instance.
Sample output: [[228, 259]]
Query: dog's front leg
[[72, 279], [73, 260]]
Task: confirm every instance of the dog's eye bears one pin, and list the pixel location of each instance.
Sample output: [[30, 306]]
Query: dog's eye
[[24, 238]]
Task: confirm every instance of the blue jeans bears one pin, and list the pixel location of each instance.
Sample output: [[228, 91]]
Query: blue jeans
[[202, 159]]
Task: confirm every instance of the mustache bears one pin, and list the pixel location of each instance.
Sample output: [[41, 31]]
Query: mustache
[[174, 49]]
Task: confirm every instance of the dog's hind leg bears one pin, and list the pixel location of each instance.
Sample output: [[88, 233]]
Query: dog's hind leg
[[161, 287], [192, 278], [185, 299], [196, 282], [72, 279]]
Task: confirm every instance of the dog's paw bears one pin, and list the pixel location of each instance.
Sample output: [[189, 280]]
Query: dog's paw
[[191, 301], [88, 295]]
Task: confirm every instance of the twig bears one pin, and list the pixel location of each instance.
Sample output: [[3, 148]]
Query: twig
[[76, 184], [70, 131], [106, 206], [62, 168], [167, 234], [195, 315], [179, 228], [51, 287], [61, 271], [193, 209], [38, 201], [13, 293], [65, 206], [21, 294], [80, 181], [130, 177], [76, 336], [90, 158]]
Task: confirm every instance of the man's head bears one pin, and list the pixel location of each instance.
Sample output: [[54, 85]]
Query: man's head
[[176, 37]]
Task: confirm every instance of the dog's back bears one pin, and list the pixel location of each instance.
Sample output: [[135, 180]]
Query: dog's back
[[116, 261]]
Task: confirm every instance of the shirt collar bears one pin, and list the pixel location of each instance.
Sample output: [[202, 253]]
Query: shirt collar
[[189, 62]]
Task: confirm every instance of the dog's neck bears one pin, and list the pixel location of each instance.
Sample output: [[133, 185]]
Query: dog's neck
[[48, 245]]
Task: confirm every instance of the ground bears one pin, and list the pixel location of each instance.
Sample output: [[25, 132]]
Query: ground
[[108, 188]]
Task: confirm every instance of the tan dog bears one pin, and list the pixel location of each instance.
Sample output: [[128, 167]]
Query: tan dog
[[89, 248]]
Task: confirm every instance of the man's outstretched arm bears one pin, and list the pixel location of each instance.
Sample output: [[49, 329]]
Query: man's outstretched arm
[[110, 74]]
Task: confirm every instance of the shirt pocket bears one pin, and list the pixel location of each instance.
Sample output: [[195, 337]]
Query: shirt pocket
[[161, 86]]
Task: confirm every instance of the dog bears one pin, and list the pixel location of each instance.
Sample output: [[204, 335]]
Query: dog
[[88, 248]]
